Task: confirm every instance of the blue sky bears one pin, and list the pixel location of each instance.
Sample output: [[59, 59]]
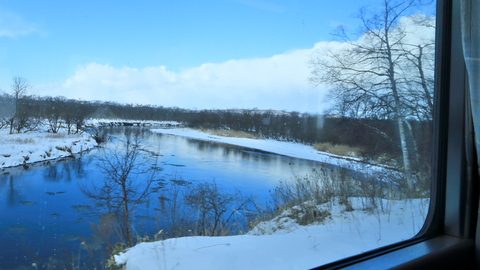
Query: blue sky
[[48, 41], [177, 34]]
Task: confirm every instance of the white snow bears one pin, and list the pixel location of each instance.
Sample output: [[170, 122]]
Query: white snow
[[283, 244], [96, 122], [290, 149], [35, 146]]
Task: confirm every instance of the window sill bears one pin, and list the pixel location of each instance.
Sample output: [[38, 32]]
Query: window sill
[[443, 252]]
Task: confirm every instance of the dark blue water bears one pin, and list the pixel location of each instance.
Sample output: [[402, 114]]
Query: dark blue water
[[47, 221]]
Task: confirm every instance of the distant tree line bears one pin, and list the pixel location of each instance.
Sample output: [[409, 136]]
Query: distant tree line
[[377, 137]]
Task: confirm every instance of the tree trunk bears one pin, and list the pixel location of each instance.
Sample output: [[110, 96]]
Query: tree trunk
[[424, 83], [128, 234], [407, 167], [12, 120], [414, 144]]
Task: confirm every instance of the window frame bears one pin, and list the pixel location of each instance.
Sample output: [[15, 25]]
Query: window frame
[[447, 237]]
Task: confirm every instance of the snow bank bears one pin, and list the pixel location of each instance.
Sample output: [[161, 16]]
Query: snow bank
[[123, 122], [35, 146], [283, 244], [291, 149]]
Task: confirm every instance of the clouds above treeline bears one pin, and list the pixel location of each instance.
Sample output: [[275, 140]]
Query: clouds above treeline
[[279, 82]]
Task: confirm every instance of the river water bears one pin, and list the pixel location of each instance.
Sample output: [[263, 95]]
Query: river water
[[47, 221]]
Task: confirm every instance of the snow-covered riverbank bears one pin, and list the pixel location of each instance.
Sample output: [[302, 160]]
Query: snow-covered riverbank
[[290, 149], [281, 243], [135, 123], [36, 146]]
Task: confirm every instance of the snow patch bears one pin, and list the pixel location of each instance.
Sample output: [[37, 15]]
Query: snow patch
[[98, 122], [292, 247], [36, 146]]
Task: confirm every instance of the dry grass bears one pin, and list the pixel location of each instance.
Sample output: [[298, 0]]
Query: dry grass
[[387, 160], [56, 135], [339, 149], [230, 133]]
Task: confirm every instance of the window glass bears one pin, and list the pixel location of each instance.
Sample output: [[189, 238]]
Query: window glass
[[239, 134], [470, 39]]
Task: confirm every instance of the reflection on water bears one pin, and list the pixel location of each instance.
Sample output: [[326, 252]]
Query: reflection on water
[[46, 220]]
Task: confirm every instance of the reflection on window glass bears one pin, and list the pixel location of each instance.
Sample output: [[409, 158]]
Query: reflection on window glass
[[240, 134]]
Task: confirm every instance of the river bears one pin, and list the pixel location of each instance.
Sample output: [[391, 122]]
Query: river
[[47, 221]]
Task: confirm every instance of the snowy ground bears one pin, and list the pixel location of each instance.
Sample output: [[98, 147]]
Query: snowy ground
[[291, 149], [120, 122], [283, 244], [35, 146]]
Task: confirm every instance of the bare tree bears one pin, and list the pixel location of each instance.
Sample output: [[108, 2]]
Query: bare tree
[[19, 89], [369, 74], [5, 110], [54, 115], [211, 206], [79, 115], [216, 210], [419, 58], [128, 180], [68, 115]]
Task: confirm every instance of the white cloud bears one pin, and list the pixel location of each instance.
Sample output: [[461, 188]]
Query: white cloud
[[13, 26], [277, 82]]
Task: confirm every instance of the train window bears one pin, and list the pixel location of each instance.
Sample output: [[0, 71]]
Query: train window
[[240, 134]]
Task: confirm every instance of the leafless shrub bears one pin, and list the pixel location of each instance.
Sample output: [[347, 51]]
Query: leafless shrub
[[99, 137], [188, 209], [216, 210], [121, 190], [3, 123], [319, 187], [327, 186]]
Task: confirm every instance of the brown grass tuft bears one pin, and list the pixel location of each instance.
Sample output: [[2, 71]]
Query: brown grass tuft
[[230, 133], [339, 149]]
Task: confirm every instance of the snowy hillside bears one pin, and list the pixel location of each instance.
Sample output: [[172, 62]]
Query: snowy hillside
[[282, 243]]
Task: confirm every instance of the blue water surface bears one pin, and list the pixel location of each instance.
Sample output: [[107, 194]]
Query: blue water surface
[[48, 222]]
